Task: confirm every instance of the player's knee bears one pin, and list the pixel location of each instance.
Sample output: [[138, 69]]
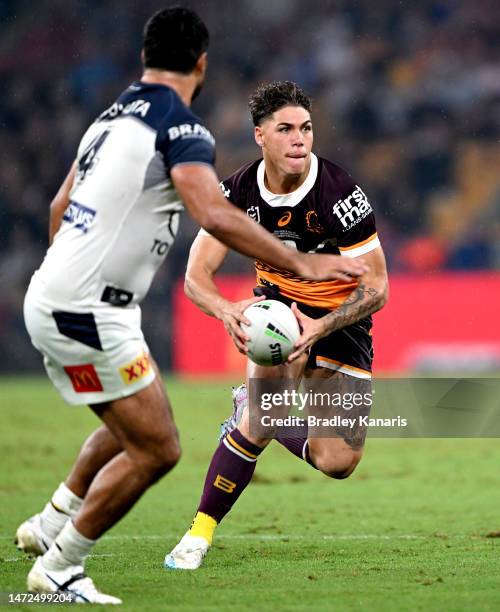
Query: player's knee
[[168, 457], [338, 466], [160, 458]]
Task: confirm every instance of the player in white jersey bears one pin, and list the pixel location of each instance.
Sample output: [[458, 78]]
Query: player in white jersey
[[111, 225]]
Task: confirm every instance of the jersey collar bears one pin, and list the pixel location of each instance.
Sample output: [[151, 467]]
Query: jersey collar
[[287, 199]]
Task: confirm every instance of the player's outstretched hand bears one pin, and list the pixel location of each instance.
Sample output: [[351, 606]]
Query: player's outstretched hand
[[331, 267], [311, 331], [232, 315]]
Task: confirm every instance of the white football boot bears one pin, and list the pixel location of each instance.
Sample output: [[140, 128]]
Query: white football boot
[[30, 537], [191, 550], [188, 554], [240, 401], [71, 581]]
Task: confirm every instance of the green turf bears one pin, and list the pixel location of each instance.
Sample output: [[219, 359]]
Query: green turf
[[406, 532]]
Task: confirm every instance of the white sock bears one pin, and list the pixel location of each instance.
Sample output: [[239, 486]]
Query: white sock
[[66, 500], [63, 505], [69, 548]]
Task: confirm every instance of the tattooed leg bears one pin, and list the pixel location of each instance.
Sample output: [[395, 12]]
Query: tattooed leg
[[336, 451]]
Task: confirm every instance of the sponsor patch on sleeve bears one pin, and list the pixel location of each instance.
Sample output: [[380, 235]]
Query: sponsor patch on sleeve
[[189, 130], [82, 217]]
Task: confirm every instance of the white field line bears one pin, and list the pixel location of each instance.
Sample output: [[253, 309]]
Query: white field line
[[263, 536], [279, 536], [284, 536], [24, 557], [297, 536]]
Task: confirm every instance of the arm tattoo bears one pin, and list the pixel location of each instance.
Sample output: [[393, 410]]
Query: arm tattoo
[[362, 302]]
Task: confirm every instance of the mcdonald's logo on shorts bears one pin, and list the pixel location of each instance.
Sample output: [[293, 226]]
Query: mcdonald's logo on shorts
[[84, 378], [136, 369]]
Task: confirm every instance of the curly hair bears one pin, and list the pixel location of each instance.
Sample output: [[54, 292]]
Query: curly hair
[[267, 99]]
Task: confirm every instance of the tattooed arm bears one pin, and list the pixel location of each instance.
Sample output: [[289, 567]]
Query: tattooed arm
[[368, 297]]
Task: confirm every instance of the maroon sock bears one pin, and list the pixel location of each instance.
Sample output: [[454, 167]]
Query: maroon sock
[[298, 446], [230, 471]]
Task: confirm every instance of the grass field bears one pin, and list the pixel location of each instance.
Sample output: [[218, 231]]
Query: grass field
[[408, 531]]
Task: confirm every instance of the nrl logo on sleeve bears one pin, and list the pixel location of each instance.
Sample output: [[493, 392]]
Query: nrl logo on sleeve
[[254, 213], [188, 130], [226, 192], [353, 209]]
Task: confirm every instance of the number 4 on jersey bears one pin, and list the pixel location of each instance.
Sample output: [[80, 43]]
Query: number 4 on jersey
[[88, 160]]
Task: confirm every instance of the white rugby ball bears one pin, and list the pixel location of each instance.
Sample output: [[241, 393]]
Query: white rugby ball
[[272, 333]]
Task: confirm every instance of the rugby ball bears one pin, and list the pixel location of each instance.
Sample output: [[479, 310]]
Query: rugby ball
[[272, 333]]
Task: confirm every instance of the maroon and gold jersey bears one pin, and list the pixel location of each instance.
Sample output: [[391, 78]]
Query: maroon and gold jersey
[[328, 213]]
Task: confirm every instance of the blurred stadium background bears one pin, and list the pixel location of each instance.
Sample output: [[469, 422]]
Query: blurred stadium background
[[406, 97]]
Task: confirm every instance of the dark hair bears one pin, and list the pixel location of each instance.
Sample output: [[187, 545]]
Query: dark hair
[[174, 39], [267, 99]]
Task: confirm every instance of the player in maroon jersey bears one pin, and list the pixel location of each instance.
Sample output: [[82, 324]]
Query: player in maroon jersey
[[312, 205]]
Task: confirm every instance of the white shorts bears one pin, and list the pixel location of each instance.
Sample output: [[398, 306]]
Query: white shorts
[[90, 357]]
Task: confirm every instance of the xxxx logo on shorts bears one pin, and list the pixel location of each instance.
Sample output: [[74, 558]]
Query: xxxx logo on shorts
[[136, 369], [84, 378]]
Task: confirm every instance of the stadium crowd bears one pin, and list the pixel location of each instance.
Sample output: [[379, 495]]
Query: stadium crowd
[[406, 97]]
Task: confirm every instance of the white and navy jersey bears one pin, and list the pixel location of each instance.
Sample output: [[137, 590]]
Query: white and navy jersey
[[123, 214]]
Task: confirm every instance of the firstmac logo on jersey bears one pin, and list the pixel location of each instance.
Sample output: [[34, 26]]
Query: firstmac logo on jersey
[[80, 216], [353, 209], [188, 130]]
